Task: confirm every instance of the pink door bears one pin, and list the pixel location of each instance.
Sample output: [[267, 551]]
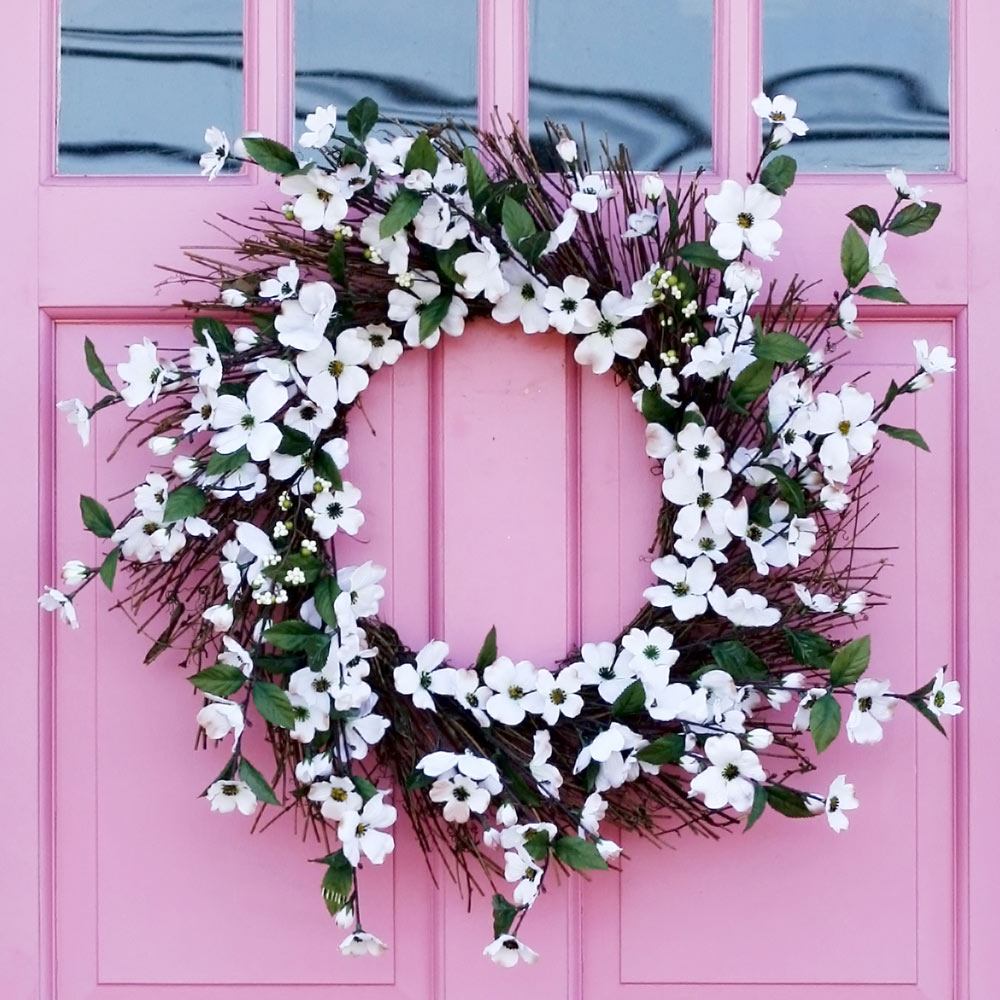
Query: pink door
[[117, 881]]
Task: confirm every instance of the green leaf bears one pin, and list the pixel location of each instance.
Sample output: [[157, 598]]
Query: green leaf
[[537, 844], [824, 721], [221, 465], [402, 212], [109, 568], [579, 854], [421, 155], [703, 254], [809, 648], [488, 651], [905, 434], [273, 704], [326, 468], [865, 218], [751, 383], [914, 219], [417, 780], [293, 635], [739, 661], [277, 664], [361, 118], [518, 224], [789, 489], [778, 174], [96, 366], [922, 707], [666, 749], [185, 501], [215, 329], [271, 155], [338, 881], [780, 347], [259, 785], [336, 262], [757, 809], [880, 294], [853, 257], [432, 315], [294, 442], [631, 701], [503, 915], [96, 518], [364, 787], [325, 593], [655, 408], [476, 178], [788, 802], [221, 680], [850, 661]]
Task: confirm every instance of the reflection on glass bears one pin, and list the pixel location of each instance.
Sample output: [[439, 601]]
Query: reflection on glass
[[638, 72], [871, 80], [416, 58], [140, 80]]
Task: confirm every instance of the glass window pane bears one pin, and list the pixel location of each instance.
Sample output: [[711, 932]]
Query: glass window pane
[[871, 80], [141, 80], [416, 58], [636, 71]]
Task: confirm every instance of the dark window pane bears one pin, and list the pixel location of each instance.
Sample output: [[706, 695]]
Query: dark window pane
[[141, 80], [636, 71], [871, 80], [416, 58]]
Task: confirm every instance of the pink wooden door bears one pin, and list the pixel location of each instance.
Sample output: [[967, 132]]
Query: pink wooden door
[[117, 881]]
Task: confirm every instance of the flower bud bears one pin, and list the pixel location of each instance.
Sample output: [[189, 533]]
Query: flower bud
[[162, 445], [566, 148], [74, 572], [652, 187], [185, 467], [760, 739], [245, 338], [220, 616], [233, 297]]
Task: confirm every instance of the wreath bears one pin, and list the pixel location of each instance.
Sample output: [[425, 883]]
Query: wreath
[[700, 713]]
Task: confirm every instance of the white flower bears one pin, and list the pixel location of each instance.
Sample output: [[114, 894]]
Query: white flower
[[392, 250], [426, 677], [546, 775], [510, 682], [611, 338], [608, 749], [590, 192], [225, 796], [320, 199], [388, 157], [345, 919], [563, 231], [593, 811], [282, 286], [743, 608], [651, 649], [336, 510], [236, 656], [915, 192], [481, 273], [945, 696], [233, 298], [77, 415], [221, 717], [566, 148], [848, 314], [56, 600], [652, 187], [684, 588], [74, 572], [839, 800], [461, 797], [144, 374], [570, 311], [934, 361], [247, 423], [336, 796], [820, 603], [701, 449], [555, 695], [320, 125], [601, 664], [701, 497], [507, 951], [743, 280], [520, 868], [438, 224], [472, 695], [640, 224], [363, 832], [523, 299], [780, 111], [218, 151], [846, 421], [219, 616], [407, 304], [310, 718], [744, 219], [303, 321], [383, 348], [362, 943], [363, 731], [334, 372], [729, 779], [877, 267], [872, 706]]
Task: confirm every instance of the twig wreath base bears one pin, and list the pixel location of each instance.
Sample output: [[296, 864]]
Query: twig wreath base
[[701, 712]]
